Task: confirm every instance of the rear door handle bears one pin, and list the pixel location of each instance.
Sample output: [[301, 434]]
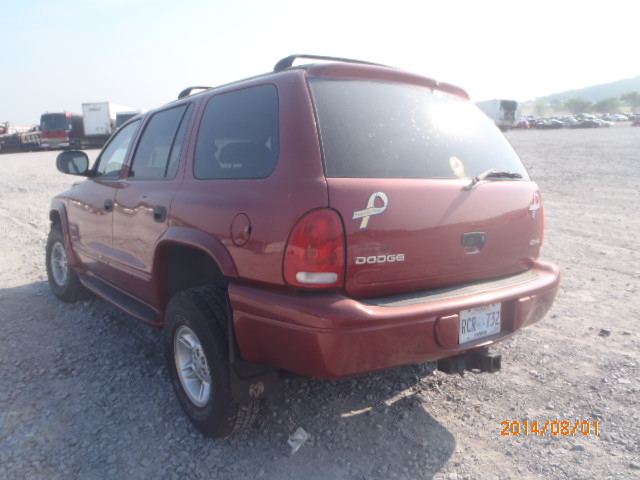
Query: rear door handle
[[108, 205], [159, 213]]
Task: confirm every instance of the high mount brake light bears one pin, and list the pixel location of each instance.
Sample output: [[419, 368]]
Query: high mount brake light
[[315, 253]]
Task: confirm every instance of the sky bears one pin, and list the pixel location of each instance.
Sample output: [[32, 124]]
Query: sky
[[57, 55]]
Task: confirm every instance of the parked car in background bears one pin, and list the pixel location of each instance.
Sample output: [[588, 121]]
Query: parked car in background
[[619, 118], [589, 123], [549, 124], [569, 121], [605, 123], [521, 123]]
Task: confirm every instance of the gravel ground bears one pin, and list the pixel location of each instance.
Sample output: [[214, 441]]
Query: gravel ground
[[84, 392]]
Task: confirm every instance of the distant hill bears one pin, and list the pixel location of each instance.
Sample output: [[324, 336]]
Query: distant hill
[[596, 92]]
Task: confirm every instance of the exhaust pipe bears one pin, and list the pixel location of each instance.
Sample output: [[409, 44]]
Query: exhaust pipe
[[480, 360]]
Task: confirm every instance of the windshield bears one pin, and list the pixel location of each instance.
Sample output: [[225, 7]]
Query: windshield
[[53, 121], [380, 130]]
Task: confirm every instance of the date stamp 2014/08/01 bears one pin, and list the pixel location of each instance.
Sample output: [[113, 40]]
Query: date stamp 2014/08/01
[[551, 427]]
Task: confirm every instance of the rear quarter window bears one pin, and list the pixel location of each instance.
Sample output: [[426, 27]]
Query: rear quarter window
[[239, 135], [380, 130]]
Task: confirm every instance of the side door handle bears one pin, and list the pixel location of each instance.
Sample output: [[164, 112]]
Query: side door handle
[[159, 213], [108, 205]]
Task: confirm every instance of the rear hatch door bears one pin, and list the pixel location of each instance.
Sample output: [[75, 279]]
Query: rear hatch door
[[430, 191]]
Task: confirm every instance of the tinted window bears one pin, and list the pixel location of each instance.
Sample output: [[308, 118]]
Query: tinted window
[[378, 130], [53, 121], [114, 154], [158, 152], [239, 135]]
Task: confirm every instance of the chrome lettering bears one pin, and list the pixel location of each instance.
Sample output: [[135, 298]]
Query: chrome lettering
[[379, 259]]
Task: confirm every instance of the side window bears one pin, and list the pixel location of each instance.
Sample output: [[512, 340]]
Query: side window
[[158, 152], [114, 154], [240, 135]]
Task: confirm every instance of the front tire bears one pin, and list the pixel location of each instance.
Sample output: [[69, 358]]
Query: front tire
[[63, 280], [196, 348]]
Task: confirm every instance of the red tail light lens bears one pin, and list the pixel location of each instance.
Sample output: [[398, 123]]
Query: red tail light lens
[[315, 256]]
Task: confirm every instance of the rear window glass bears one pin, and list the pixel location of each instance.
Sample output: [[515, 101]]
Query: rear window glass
[[380, 130], [239, 135]]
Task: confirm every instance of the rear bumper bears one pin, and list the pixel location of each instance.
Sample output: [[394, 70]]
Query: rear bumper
[[330, 335]]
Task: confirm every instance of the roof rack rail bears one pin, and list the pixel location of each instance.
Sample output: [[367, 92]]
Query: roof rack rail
[[288, 61], [187, 91]]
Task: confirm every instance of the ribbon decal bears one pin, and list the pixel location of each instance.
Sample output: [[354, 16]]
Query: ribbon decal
[[371, 209]]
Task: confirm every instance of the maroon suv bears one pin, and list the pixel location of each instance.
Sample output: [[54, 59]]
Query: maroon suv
[[327, 219]]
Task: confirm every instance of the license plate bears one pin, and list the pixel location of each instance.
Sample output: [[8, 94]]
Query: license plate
[[480, 322]]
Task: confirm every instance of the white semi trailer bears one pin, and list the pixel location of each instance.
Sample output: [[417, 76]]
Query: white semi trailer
[[502, 112], [100, 119]]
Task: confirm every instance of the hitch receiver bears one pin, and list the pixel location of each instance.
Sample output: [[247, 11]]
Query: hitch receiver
[[480, 360]]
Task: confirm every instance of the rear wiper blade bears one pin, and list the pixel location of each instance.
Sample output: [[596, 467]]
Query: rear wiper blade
[[491, 174]]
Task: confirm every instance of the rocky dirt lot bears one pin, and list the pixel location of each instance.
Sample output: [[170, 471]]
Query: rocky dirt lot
[[84, 392]]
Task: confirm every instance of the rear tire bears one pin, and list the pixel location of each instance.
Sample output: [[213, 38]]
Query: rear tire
[[63, 280], [196, 348]]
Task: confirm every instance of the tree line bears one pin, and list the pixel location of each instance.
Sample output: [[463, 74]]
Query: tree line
[[578, 105]]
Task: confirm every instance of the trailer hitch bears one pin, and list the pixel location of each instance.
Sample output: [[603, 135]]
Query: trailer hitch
[[479, 360]]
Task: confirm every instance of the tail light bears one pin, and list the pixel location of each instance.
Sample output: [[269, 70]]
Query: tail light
[[315, 256]]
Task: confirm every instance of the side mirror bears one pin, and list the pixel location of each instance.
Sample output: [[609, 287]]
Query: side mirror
[[73, 162]]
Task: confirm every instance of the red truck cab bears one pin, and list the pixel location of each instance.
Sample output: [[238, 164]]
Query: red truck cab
[[62, 130]]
